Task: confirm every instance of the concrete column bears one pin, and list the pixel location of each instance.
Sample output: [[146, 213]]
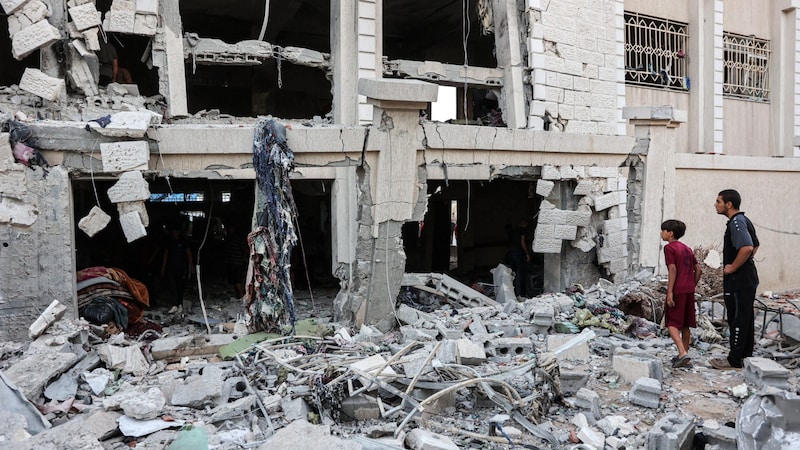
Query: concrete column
[[509, 58], [706, 75], [168, 57], [784, 69], [344, 56], [344, 197], [657, 125], [553, 273]]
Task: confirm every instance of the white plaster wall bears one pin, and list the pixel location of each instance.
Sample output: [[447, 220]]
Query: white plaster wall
[[697, 189], [638, 96], [747, 128], [673, 10], [748, 17], [581, 51]]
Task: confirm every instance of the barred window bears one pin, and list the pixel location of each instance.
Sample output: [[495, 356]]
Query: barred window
[[655, 51], [746, 67]]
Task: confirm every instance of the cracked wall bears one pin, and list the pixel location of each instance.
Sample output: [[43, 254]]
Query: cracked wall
[[36, 242]]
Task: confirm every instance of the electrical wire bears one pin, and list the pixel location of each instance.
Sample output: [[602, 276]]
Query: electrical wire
[[197, 265], [791, 233], [91, 173], [264, 23]]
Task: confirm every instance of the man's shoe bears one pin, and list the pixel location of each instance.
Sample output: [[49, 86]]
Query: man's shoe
[[722, 364]]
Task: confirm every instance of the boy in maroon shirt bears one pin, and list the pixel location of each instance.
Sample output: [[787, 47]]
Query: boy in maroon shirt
[[684, 273]]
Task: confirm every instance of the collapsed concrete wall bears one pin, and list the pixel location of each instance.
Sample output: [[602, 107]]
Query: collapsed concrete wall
[[36, 242]]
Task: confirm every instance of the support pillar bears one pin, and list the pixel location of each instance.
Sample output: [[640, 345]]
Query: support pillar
[[509, 58], [785, 108], [344, 56], [168, 57], [706, 75]]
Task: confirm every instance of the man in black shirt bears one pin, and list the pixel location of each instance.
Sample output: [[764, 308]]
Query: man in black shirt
[[740, 279]]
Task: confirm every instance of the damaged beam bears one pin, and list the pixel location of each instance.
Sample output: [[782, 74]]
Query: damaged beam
[[207, 51], [444, 74]]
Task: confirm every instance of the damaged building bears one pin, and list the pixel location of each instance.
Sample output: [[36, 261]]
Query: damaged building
[[373, 154], [591, 137]]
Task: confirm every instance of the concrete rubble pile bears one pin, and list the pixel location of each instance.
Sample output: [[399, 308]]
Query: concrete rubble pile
[[460, 370]]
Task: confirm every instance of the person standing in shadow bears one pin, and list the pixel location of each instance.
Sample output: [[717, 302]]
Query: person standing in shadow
[[520, 255], [177, 265]]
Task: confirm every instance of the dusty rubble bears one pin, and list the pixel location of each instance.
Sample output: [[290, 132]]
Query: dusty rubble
[[460, 370]]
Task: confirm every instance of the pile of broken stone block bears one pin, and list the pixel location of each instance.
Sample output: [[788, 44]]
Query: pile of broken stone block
[[466, 372]]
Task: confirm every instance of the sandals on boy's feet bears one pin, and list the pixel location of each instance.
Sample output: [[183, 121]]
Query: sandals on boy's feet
[[722, 364], [683, 361]]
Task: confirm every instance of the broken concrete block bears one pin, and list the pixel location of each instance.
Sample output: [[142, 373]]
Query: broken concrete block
[[503, 280], [39, 83], [646, 392], [131, 187], [132, 226], [13, 211], [766, 372], [145, 24], [120, 21], [144, 406], [361, 407], [567, 232], [469, 353], [94, 222], [507, 348], [52, 313], [592, 438], [577, 353], [175, 348], [407, 315], [301, 435], [633, 367], [91, 39], [229, 411], [138, 207], [29, 39], [371, 366], [34, 11], [9, 6], [550, 173], [544, 187], [602, 202], [85, 16], [602, 172], [546, 245], [127, 123], [671, 432], [294, 409], [615, 425], [147, 7], [83, 431], [127, 359], [123, 156], [32, 373], [584, 187], [543, 316], [572, 382], [199, 392], [568, 173], [588, 400], [419, 439]]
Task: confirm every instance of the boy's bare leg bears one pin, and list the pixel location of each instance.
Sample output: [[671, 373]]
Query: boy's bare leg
[[686, 338], [675, 334]]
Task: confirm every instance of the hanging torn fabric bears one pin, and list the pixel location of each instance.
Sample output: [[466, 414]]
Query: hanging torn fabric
[[269, 297]]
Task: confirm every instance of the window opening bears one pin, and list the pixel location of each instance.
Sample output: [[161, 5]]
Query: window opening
[[655, 51], [746, 62]]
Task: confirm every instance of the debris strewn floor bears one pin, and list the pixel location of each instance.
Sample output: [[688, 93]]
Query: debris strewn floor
[[460, 370]]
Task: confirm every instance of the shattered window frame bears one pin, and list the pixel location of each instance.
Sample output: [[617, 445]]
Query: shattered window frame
[[746, 63], [655, 50]]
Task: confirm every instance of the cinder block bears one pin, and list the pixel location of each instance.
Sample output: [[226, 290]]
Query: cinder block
[[130, 188], [568, 173], [407, 315], [79, 73], [91, 40], [361, 407], [763, 371], [139, 207], [544, 316], [26, 41], [547, 245], [545, 231], [124, 5], [615, 225], [572, 382], [632, 367], [671, 433], [606, 201], [470, 353], [550, 173], [419, 439], [85, 16], [145, 24], [581, 217], [132, 226], [506, 348], [578, 353], [722, 436], [125, 155], [39, 83], [33, 10], [588, 400], [120, 21], [602, 172], [94, 222], [544, 187], [584, 187], [553, 216], [9, 6], [592, 438], [509, 327], [607, 254], [617, 266], [567, 232], [616, 239], [646, 392]]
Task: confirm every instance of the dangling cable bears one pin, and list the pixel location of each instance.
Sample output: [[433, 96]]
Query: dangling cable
[[197, 265], [91, 173], [264, 23], [466, 226]]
